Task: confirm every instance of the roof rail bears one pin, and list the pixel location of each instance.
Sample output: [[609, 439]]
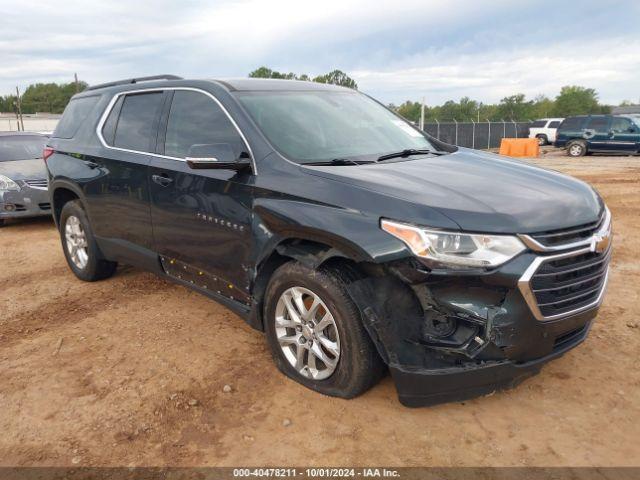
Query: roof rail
[[134, 80]]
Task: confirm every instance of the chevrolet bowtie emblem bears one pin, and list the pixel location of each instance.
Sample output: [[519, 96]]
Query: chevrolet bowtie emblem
[[600, 242]]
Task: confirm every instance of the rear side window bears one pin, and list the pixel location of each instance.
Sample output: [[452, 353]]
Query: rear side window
[[539, 124], [554, 124], [109, 128], [599, 124], [74, 114], [195, 119], [572, 123], [135, 129]]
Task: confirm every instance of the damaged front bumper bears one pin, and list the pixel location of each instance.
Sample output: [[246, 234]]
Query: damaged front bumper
[[452, 336], [29, 201]]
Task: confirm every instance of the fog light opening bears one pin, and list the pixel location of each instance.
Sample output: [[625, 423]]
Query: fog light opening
[[9, 207]]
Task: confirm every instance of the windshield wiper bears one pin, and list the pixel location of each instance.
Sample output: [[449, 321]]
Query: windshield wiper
[[339, 162], [407, 153]]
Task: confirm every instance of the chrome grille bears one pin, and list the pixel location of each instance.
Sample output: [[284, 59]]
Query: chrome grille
[[41, 184], [568, 235], [564, 284]]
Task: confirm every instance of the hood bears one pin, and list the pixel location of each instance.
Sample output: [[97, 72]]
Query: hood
[[34, 169], [481, 192]]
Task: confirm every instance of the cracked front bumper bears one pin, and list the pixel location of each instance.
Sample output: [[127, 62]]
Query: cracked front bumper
[[418, 387], [27, 202]]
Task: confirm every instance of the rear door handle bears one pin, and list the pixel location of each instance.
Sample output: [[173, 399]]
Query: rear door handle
[[162, 180]]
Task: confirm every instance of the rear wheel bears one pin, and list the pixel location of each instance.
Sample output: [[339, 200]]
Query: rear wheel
[[542, 140], [315, 333], [79, 245], [577, 149]]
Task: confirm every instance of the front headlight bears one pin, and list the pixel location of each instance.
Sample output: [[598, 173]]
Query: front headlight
[[6, 184], [441, 249]]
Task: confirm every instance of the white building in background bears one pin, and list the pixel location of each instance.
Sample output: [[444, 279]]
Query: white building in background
[[36, 122]]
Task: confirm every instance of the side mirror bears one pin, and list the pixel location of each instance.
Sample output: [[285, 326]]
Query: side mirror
[[215, 156]]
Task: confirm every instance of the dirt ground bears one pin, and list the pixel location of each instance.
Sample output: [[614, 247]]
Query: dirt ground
[[131, 370]]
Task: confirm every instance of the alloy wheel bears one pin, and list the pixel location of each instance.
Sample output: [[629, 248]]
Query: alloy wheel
[[307, 333], [76, 241]]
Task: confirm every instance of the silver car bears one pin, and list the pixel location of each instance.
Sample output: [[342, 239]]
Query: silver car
[[23, 176]]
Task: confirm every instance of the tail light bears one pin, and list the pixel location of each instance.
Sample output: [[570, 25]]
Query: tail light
[[46, 153]]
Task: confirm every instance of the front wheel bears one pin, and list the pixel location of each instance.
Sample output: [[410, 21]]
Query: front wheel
[[315, 333], [80, 247], [542, 140]]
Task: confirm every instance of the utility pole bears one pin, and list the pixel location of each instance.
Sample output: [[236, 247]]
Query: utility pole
[[19, 108], [75, 78], [422, 115]]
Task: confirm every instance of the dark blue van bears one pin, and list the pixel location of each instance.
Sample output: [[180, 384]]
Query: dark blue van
[[599, 133]]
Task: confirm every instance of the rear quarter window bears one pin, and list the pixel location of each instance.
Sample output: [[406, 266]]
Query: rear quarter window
[[74, 114], [572, 123], [554, 124]]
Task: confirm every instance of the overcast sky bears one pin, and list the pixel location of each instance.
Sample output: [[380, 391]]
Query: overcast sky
[[395, 50]]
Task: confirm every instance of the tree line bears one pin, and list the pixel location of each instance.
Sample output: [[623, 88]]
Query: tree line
[[42, 97], [572, 100]]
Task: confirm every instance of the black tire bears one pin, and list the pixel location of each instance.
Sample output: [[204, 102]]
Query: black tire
[[577, 148], [2, 222], [359, 366], [97, 267], [542, 140]]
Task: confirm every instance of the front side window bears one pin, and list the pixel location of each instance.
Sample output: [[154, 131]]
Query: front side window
[[311, 126], [135, 126], [620, 125], [196, 119]]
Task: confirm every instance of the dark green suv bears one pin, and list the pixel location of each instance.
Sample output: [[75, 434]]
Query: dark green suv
[[599, 133]]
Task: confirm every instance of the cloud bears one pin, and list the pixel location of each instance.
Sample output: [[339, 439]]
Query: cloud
[[395, 49]]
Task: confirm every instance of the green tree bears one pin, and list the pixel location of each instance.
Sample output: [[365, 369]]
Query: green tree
[[265, 72], [575, 100], [409, 110], [515, 107], [337, 77]]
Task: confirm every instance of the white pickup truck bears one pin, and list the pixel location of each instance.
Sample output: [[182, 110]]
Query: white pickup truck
[[544, 130]]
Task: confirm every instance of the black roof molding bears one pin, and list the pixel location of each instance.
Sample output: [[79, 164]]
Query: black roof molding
[[134, 80]]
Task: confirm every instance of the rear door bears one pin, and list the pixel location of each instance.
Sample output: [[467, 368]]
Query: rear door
[[201, 218], [596, 131], [624, 135], [119, 198]]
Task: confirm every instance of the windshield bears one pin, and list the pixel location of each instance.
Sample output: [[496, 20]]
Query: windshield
[[19, 147], [312, 126]]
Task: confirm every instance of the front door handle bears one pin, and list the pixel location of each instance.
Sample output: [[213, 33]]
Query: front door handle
[[162, 180], [91, 164]]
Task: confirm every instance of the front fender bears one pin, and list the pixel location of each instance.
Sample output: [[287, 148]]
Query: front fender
[[357, 235]]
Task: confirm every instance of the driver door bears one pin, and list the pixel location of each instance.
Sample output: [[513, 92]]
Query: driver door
[[201, 218]]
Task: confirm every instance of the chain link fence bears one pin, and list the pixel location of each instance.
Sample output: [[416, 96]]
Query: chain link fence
[[479, 135]]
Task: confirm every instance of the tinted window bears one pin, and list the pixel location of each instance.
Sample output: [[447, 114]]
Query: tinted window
[[572, 123], [599, 124], [21, 147], [554, 124], [74, 114], [195, 119], [539, 124], [109, 128], [620, 125], [135, 129]]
